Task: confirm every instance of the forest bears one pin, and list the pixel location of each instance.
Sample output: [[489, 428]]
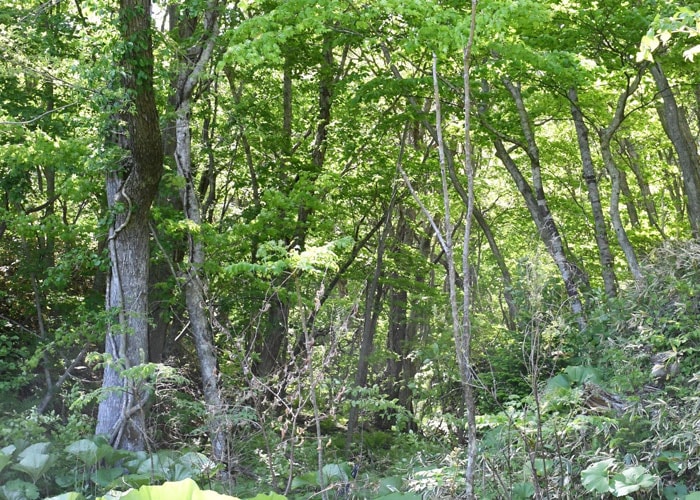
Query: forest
[[294, 249]]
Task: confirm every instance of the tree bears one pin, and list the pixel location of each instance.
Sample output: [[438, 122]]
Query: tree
[[131, 188]]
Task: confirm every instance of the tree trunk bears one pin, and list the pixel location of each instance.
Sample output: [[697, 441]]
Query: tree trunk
[[675, 124], [195, 280], [628, 200], [130, 192], [536, 203], [606, 135], [371, 314], [271, 354], [589, 175], [630, 152], [572, 276]]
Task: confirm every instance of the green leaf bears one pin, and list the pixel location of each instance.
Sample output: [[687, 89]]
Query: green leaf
[[19, 490], [582, 374], [106, 477], [389, 485], [186, 489], [306, 479], [404, 496], [33, 461], [560, 381], [335, 473], [67, 496], [633, 479], [522, 491], [4, 460], [595, 477], [85, 450]]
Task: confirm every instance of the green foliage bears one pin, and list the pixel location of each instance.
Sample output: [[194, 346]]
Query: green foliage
[[90, 465], [607, 476]]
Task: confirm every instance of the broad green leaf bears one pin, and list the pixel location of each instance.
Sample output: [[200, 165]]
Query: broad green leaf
[[33, 462], [522, 491], [186, 489], [582, 374], [85, 450], [402, 496], [560, 381], [106, 477], [306, 479], [19, 490], [389, 485], [595, 477], [67, 496], [335, 472], [4, 460]]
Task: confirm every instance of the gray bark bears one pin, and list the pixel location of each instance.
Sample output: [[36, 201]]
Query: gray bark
[[195, 280], [589, 176], [536, 203], [606, 135], [121, 414], [629, 200], [676, 126], [630, 152], [373, 295]]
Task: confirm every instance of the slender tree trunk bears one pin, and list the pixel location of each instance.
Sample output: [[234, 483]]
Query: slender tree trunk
[[628, 200], [509, 316], [131, 188], [464, 355], [675, 124], [537, 204], [606, 135], [630, 152], [548, 231], [195, 278], [271, 353], [371, 314], [589, 175]]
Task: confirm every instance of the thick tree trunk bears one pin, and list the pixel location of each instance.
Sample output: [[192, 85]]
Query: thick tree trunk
[[589, 175], [130, 192], [675, 124]]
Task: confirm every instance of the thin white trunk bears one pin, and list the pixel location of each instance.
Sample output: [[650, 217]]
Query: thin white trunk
[[466, 362]]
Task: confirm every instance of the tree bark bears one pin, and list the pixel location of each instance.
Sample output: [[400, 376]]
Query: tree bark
[[270, 352], [675, 124], [195, 283], [536, 203], [373, 297], [630, 152], [589, 175], [130, 192], [628, 200], [606, 135], [509, 316]]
